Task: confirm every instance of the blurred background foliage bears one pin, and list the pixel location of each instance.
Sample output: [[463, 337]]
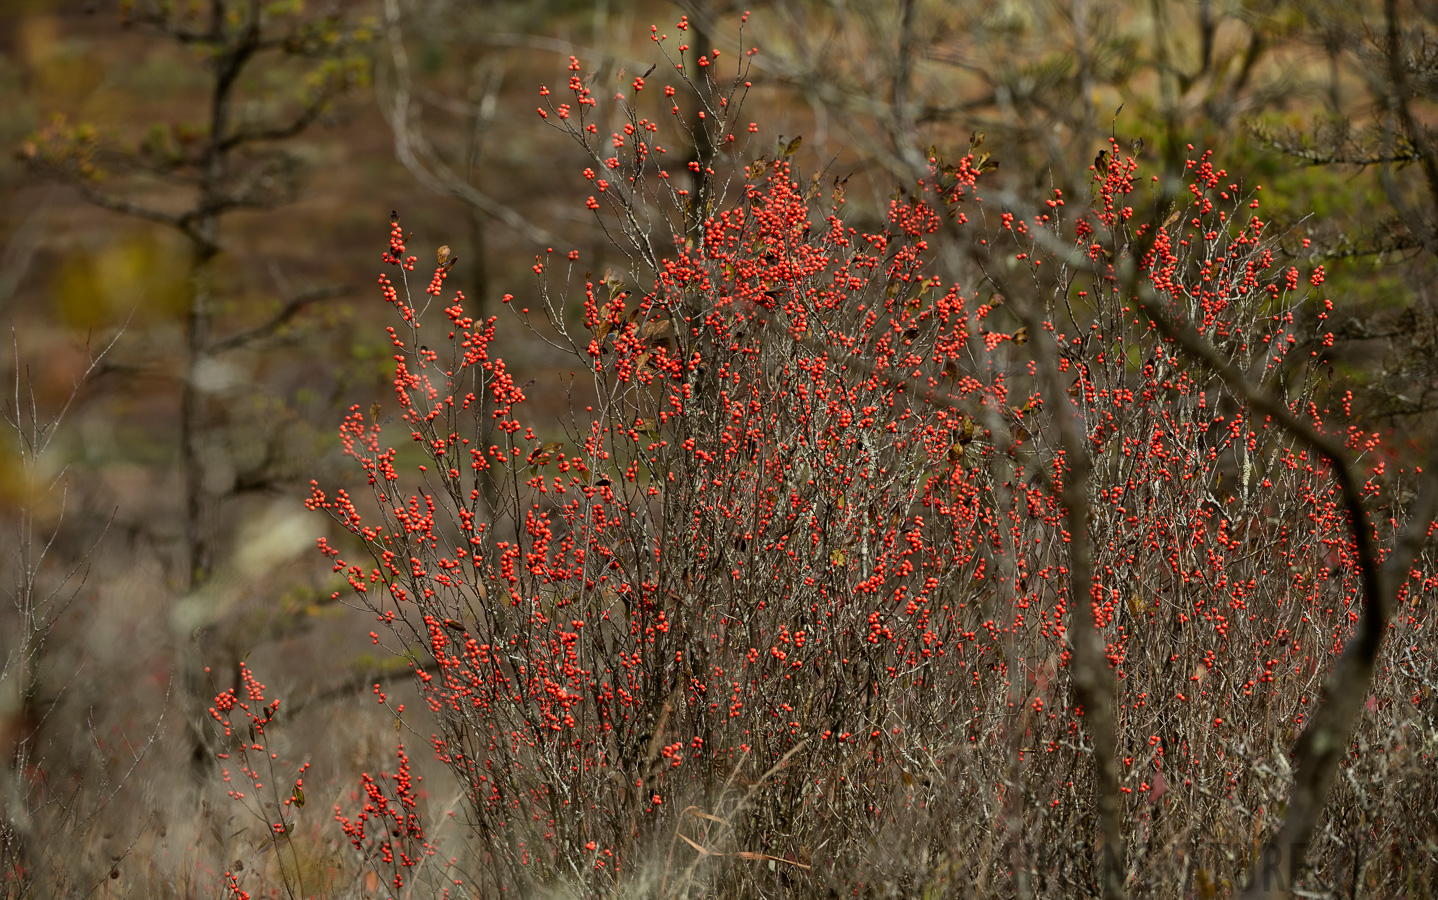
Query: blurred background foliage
[[427, 107]]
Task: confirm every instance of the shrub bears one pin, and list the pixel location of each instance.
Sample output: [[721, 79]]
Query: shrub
[[784, 605]]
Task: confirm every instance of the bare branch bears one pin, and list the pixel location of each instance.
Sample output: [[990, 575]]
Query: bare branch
[[305, 119], [292, 307], [1093, 677], [125, 207], [413, 152]]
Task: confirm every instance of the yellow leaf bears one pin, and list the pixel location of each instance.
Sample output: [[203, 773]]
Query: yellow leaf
[[966, 429], [540, 456]]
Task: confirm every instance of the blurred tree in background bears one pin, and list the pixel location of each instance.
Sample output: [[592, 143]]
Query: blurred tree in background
[[269, 74]]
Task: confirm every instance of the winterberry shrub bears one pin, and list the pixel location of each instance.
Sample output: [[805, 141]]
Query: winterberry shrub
[[241, 715], [784, 602]]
